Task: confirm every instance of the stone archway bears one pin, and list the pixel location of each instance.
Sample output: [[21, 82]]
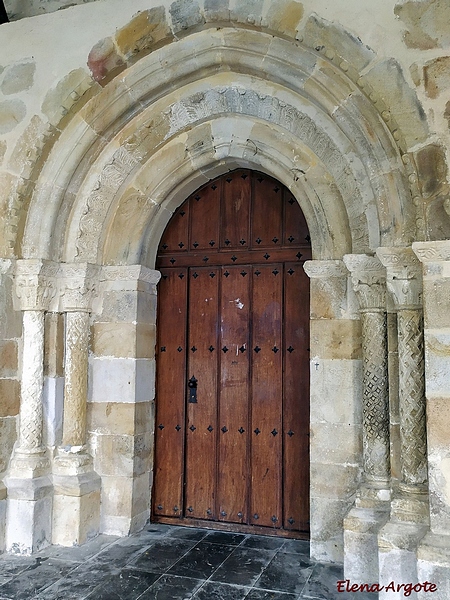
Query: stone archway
[[120, 167]]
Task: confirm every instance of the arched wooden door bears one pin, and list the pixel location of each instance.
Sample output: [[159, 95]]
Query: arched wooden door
[[232, 398]]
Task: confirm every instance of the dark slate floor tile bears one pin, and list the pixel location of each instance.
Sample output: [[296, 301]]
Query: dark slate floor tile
[[79, 554], [13, 565], [202, 560], [223, 537], [265, 595], [171, 587], [286, 573], [322, 585], [35, 579], [162, 555], [244, 566], [81, 581], [119, 555], [129, 584], [221, 591], [295, 547], [186, 533], [263, 542]]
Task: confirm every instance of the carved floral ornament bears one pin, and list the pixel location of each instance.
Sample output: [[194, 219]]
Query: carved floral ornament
[[316, 269], [47, 286]]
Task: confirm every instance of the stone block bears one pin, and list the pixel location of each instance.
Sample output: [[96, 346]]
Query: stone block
[[76, 509], [103, 59], [284, 16], [12, 112], [247, 11], [437, 354], [8, 358], [328, 298], [121, 380], [334, 480], [124, 499], [54, 345], [426, 22], [18, 77], [335, 443], [216, 10], [29, 515], [319, 33], [331, 403], [185, 14], [433, 565], [8, 436], [327, 541], [431, 166], [436, 309], [336, 338], [388, 81], [59, 99], [124, 455], [9, 397], [124, 340], [143, 31], [2, 517], [120, 418]]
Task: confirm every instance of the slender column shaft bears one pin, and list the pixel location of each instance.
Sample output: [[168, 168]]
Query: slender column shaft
[[30, 420], [75, 387], [376, 451], [412, 398]]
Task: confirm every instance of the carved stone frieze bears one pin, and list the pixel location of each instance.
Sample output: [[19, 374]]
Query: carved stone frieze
[[78, 286], [316, 269], [130, 277], [403, 276], [369, 281], [438, 251], [34, 284]]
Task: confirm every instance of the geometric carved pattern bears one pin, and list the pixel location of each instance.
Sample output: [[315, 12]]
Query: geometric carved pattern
[[412, 397], [375, 396]]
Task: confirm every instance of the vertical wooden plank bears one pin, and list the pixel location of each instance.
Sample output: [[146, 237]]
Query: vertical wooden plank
[[233, 398], [266, 407], [170, 393], [176, 236], [201, 425], [296, 399], [235, 210], [267, 213], [204, 214], [295, 227]]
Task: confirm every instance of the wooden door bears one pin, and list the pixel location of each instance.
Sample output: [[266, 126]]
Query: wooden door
[[232, 398]]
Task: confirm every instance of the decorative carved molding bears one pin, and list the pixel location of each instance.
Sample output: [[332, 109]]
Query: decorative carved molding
[[368, 279], [404, 276], [376, 451], [412, 398], [35, 284], [78, 286], [128, 276], [432, 251], [316, 269]]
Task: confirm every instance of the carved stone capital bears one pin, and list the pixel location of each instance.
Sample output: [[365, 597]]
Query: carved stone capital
[[427, 252], [316, 269], [404, 276], [34, 284], [368, 279], [78, 286], [130, 277]]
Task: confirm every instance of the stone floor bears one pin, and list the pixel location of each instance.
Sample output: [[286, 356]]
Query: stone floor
[[174, 563]]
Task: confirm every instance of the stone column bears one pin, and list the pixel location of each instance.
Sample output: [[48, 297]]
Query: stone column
[[408, 522], [336, 415], [371, 510], [29, 488], [433, 553], [76, 515]]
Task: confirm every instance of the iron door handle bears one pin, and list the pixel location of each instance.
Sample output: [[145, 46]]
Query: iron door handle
[[192, 384]]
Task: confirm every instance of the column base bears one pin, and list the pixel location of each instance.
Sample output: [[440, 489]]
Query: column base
[[433, 565], [29, 465], [76, 503], [29, 510], [361, 527]]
